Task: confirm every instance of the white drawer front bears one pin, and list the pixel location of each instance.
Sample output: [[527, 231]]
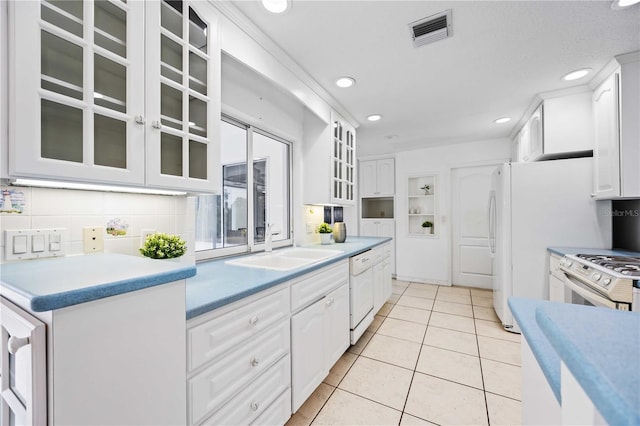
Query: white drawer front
[[278, 413], [213, 386], [255, 398], [310, 289], [213, 338]]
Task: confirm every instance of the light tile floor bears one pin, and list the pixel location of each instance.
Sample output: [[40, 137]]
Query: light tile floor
[[433, 355]]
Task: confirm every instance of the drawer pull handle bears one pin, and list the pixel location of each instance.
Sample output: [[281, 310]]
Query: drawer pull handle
[[16, 343], [254, 362], [255, 406], [254, 320]]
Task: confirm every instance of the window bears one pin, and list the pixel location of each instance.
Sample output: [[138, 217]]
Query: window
[[251, 200]]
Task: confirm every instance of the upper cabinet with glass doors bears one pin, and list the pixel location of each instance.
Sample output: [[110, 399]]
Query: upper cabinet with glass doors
[[96, 99], [343, 161], [329, 155]]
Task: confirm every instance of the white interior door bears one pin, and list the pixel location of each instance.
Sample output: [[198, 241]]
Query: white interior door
[[471, 262]]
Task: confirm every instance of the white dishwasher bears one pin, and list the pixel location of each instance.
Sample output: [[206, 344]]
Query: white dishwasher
[[361, 294]]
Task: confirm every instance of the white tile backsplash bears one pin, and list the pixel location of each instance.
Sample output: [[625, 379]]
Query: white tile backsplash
[[75, 209]]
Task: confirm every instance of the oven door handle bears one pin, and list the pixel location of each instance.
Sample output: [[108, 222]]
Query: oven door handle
[[590, 295]]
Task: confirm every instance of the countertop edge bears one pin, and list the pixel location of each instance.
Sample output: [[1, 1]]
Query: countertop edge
[[599, 391], [541, 348]]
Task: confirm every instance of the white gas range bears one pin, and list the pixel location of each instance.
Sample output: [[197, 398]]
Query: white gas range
[[602, 280]]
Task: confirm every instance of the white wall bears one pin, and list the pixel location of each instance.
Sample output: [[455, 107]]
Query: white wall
[[425, 259], [74, 209]]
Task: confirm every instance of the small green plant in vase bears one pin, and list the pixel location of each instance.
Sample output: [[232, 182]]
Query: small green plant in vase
[[426, 189], [163, 246], [428, 227], [325, 232]]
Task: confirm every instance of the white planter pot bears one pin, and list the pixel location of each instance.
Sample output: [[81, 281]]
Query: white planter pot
[[325, 238], [428, 230]]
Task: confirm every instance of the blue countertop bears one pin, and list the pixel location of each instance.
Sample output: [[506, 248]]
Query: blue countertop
[[56, 283], [524, 311], [218, 283], [601, 348], [561, 251]]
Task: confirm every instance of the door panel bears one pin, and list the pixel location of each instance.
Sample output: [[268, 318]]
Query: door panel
[[471, 262]]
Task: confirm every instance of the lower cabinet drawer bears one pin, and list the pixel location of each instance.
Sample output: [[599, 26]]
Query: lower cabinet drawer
[[208, 390], [278, 413], [251, 402], [244, 322]]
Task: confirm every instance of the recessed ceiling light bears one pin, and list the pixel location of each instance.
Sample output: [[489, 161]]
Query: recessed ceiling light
[[374, 117], [574, 75], [502, 120], [345, 82], [619, 4], [276, 6]]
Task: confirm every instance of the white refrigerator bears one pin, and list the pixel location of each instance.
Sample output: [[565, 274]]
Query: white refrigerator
[[537, 205]]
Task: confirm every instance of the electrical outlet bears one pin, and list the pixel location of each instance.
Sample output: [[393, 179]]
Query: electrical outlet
[[93, 239], [144, 233]]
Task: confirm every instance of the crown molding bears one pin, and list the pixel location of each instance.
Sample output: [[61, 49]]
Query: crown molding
[[233, 14]]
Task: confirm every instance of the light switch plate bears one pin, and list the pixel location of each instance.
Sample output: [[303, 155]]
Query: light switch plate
[[23, 244], [93, 239]]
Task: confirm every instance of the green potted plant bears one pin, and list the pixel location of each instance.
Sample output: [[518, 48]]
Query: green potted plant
[[325, 232], [428, 227], [163, 246]]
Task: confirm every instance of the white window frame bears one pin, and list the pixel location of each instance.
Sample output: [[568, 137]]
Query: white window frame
[[251, 245]]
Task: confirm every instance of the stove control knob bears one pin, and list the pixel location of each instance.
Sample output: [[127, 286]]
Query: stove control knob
[[596, 276], [606, 282]]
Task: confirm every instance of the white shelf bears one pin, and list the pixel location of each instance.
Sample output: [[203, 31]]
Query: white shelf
[[426, 204]]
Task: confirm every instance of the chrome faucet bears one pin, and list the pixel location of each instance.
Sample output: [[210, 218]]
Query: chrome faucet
[[268, 246]]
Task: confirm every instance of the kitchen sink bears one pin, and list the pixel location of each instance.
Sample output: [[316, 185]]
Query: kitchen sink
[[285, 260]]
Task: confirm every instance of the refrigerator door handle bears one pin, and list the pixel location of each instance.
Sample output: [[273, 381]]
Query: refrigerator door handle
[[491, 217]]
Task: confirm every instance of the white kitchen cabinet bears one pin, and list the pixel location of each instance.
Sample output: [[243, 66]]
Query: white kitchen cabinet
[[382, 287], [556, 283], [23, 390], [329, 156], [377, 177], [559, 127], [319, 328], [115, 92], [237, 356], [116, 360], [381, 228], [616, 109], [530, 144]]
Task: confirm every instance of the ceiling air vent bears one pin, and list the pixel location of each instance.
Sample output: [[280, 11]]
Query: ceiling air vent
[[432, 28]]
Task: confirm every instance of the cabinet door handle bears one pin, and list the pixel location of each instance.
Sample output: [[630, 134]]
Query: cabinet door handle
[[255, 406], [254, 320], [16, 343], [156, 125], [330, 301], [255, 361], [139, 119]]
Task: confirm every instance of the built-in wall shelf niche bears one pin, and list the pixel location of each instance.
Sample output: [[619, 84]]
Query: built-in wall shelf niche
[[377, 208], [422, 205]]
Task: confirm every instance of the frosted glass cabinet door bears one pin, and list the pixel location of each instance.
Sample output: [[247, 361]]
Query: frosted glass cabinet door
[[183, 96], [76, 90]]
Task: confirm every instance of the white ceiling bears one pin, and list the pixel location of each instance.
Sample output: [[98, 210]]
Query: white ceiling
[[501, 54]]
